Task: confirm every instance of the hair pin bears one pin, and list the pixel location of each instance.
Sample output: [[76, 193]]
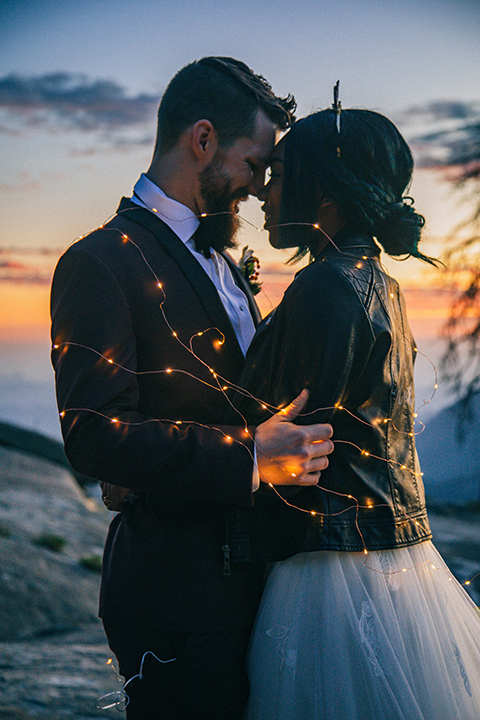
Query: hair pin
[[337, 107]]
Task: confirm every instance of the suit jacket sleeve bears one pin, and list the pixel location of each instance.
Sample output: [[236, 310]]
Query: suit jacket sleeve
[[106, 436]]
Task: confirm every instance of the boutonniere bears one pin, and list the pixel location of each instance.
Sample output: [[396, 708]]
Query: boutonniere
[[250, 267]]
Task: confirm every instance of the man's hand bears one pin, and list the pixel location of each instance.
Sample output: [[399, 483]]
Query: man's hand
[[289, 454]]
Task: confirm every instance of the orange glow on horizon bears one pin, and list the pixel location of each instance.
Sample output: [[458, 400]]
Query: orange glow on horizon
[[25, 312], [25, 308]]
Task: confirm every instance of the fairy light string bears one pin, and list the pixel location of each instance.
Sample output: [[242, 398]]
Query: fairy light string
[[221, 384]]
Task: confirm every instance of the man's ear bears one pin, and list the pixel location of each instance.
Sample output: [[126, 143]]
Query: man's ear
[[204, 140]]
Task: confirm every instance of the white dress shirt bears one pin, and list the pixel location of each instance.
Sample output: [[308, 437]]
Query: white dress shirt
[[184, 223]]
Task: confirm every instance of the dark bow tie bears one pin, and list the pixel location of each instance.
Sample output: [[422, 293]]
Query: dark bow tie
[[202, 245]]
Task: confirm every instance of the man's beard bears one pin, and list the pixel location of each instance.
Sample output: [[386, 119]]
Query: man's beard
[[219, 227]]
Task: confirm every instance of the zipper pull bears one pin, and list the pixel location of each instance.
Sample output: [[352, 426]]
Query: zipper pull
[[227, 570]]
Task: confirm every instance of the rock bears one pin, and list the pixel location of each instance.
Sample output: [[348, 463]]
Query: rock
[[43, 591], [61, 677]]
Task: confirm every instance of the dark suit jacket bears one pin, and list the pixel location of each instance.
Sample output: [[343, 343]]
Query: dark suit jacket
[[130, 422]]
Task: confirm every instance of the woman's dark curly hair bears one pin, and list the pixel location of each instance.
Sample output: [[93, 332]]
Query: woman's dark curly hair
[[366, 169]]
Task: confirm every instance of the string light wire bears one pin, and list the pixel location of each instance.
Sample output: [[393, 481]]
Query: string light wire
[[222, 385]]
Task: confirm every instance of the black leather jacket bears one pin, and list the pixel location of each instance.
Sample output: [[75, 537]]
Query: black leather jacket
[[341, 330]]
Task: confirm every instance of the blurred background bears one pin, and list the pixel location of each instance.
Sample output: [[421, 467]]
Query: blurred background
[[80, 83], [79, 87]]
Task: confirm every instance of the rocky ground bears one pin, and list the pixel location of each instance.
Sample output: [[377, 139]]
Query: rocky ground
[[53, 654]]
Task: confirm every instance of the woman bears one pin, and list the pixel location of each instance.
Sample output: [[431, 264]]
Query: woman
[[362, 619]]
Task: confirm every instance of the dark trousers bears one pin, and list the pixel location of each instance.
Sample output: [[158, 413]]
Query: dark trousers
[[207, 680]]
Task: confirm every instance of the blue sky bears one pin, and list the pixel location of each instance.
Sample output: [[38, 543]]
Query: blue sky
[[67, 163], [80, 81]]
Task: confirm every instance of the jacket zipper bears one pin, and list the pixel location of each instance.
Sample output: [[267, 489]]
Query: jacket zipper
[[227, 570]]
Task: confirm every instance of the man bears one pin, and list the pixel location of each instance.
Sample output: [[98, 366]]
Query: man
[[150, 323]]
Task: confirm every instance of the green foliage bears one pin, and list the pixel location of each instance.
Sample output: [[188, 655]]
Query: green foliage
[[50, 541], [92, 562], [461, 362]]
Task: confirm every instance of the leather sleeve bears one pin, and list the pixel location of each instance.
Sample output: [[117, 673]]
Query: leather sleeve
[[319, 336]]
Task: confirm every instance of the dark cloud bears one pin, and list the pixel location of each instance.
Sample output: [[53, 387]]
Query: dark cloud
[[64, 100], [28, 265], [442, 133], [114, 143], [439, 110]]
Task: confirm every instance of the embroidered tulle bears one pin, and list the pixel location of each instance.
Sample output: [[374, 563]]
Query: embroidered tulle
[[344, 636]]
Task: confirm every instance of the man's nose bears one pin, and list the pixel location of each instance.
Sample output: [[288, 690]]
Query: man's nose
[[257, 184], [262, 192]]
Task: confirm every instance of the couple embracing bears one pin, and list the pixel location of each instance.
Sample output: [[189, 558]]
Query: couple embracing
[[210, 429]]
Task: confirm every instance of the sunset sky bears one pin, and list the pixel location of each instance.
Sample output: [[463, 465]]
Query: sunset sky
[[80, 83]]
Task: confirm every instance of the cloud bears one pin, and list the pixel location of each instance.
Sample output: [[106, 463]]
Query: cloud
[[70, 101], [441, 133], [439, 110], [27, 266]]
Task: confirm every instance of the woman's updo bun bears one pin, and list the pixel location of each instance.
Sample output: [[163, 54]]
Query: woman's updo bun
[[400, 231], [364, 166]]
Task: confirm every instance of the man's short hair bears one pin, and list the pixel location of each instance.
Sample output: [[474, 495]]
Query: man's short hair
[[226, 92]]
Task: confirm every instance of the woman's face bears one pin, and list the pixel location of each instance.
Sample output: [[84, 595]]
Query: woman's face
[[271, 194]]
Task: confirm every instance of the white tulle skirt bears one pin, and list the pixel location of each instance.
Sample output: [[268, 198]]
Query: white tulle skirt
[[345, 636]]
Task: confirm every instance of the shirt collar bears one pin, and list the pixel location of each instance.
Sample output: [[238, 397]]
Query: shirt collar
[[177, 216]]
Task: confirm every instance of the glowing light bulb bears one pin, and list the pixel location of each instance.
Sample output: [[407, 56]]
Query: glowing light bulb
[[110, 361], [154, 210], [168, 370]]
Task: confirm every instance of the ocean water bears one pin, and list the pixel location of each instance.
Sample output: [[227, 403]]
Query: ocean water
[[27, 387]]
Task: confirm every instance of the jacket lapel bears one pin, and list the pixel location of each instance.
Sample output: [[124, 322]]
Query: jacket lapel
[[244, 286], [191, 269]]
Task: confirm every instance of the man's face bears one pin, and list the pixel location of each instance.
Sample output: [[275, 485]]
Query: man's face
[[233, 174]]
